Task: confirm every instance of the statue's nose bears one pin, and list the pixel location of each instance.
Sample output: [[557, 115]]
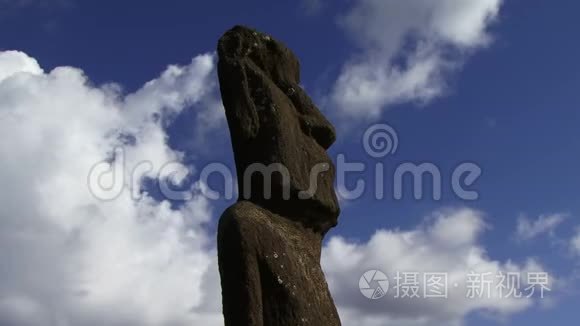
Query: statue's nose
[[320, 130], [324, 135]]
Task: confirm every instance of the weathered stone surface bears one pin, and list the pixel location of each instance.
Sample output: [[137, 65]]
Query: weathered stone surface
[[269, 248]]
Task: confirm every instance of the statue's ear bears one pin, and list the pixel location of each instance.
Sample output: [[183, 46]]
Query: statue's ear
[[241, 111]]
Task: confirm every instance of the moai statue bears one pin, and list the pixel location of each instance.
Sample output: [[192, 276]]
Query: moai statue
[[269, 242]]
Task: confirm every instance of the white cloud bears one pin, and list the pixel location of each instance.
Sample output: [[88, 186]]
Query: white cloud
[[528, 229], [312, 6], [446, 242], [408, 48], [575, 243], [69, 258], [12, 62]]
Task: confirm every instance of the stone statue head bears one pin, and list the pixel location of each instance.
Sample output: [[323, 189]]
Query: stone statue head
[[277, 132]]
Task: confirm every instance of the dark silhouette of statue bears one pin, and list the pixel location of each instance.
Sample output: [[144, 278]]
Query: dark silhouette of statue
[[269, 242]]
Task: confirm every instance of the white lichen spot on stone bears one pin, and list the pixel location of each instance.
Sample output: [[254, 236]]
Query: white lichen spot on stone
[[275, 255], [280, 281]]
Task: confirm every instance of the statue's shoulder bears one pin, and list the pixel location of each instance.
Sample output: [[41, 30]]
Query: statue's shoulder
[[243, 226], [244, 215]]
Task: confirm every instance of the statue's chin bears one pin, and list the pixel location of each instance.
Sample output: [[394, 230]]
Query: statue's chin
[[316, 213]]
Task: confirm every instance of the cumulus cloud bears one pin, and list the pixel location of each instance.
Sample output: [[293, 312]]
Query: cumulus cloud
[[13, 62], [575, 243], [407, 50], [312, 6], [69, 258], [544, 224], [447, 242]]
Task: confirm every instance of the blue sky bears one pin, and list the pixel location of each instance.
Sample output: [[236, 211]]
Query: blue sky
[[500, 91]]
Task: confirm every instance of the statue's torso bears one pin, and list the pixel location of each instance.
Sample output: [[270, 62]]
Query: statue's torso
[[292, 284]]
